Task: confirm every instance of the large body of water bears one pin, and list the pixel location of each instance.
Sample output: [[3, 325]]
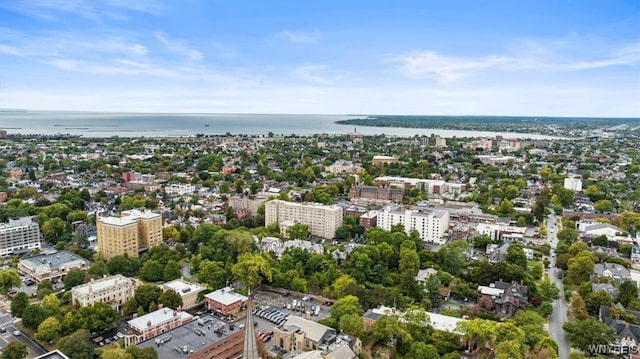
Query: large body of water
[[100, 124]]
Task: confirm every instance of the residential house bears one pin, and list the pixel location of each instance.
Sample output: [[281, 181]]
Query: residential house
[[506, 297], [614, 271]]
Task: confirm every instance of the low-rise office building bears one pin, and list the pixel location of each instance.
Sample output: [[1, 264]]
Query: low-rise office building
[[225, 301], [114, 291], [187, 291], [53, 265], [154, 324]]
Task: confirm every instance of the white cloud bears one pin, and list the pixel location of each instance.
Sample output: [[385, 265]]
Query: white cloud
[[178, 47], [532, 56], [299, 37], [312, 73], [430, 64]]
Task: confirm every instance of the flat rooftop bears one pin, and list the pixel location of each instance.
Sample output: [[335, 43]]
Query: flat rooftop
[[129, 217], [161, 315], [185, 336], [225, 296], [183, 288], [54, 260], [101, 284]]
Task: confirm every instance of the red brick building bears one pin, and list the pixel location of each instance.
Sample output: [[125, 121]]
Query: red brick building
[[154, 324], [225, 301]]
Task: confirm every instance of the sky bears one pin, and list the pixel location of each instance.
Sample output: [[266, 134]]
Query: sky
[[458, 57]]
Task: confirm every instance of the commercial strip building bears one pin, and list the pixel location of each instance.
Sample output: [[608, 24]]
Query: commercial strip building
[[114, 291], [322, 220], [133, 232], [19, 236], [53, 265], [440, 322], [187, 291]]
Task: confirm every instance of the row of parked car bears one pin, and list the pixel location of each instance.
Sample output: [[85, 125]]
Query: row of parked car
[[273, 315], [265, 336]]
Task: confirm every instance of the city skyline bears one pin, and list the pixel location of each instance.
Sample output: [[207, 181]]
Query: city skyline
[[551, 58]]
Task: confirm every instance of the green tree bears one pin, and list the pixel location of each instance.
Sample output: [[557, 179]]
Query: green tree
[[53, 229], [45, 287], [33, 315], [124, 265], [151, 271], [568, 235], [349, 304], [51, 304], [580, 268], [510, 349], [73, 278], [548, 290], [170, 299], [19, 303], [145, 294], [352, 324], [146, 353], [596, 299], [98, 269], [420, 350], [478, 332], [586, 333], [627, 292], [409, 264], [578, 308], [603, 205], [9, 278], [14, 350], [212, 274], [49, 329], [516, 255], [173, 270], [251, 269], [298, 231], [77, 345]]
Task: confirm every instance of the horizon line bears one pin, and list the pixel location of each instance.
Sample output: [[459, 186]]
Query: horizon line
[[4, 110]]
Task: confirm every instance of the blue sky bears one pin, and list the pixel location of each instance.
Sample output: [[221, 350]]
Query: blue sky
[[541, 58]]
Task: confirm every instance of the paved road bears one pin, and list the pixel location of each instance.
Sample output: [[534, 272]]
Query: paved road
[[559, 315], [186, 270], [34, 348]]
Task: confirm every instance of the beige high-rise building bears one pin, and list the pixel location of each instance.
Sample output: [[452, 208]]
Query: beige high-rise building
[[131, 233], [322, 220]]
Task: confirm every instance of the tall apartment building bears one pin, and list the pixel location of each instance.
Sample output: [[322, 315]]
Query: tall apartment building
[[19, 236], [431, 224], [114, 291], [322, 220], [131, 233]]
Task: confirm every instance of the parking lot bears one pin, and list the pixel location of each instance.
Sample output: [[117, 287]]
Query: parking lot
[[272, 309]]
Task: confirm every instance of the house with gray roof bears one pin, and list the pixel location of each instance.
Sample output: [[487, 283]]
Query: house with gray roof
[[614, 271], [607, 287]]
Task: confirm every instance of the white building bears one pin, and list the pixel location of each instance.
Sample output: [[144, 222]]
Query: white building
[[431, 186], [187, 291], [114, 290], [574, 184], [501, 232], [344, 167], [322, 220], [431, 224], [19, 236], [180, 189]]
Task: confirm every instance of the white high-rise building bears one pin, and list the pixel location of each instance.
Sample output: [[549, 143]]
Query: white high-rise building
[[431, 224], [322, 220], [20, 235]]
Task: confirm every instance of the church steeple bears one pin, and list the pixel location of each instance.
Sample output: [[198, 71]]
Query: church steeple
[[250, 350]]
